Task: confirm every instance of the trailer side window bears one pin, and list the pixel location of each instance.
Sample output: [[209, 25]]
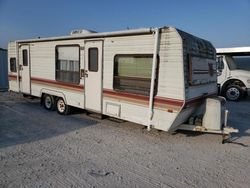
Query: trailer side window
[[13, 64], [25, 57], [68, 64], [93, 59], [132, 73]]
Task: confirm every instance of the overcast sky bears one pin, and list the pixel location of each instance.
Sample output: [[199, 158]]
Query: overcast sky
[[226, 23]]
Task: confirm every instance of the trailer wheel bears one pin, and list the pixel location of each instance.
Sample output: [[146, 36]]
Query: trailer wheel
[[233, 93], [62, 108], [49, 102]]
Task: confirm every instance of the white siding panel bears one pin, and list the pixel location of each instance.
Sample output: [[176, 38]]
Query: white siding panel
[[43, 57], [142, 44], [171, 84], [12, 49], [13, 85]]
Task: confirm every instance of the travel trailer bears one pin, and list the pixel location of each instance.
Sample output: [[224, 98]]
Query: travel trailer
[[162, 78], [234, 83]]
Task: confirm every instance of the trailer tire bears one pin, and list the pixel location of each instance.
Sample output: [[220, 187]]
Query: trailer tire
[[62, 107], [49, 102], [234, 93]]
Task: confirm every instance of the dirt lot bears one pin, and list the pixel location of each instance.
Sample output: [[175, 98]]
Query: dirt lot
[[43, 149]]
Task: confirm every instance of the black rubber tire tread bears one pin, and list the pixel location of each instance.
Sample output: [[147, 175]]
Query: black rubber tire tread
[[53, 102], [67, 108], [238, 88]]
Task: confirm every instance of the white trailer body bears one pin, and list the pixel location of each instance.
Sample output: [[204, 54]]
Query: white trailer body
[[113, 74]]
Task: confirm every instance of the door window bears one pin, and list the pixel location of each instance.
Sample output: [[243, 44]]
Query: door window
[[93, 59], [25, 57]]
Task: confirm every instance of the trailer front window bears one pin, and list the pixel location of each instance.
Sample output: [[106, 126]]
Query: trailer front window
[[68, 64], [13, 64], [132, 73]]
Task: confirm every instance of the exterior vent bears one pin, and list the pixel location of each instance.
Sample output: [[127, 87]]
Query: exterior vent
[[81, 32]]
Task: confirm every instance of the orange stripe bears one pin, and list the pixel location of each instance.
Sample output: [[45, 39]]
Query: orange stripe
[[143, 98], [14, 77], [57, 84], [159, 102]]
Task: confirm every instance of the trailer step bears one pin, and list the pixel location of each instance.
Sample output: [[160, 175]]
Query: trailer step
[[95, 115]]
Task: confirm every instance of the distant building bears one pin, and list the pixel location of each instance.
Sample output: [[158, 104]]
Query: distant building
[[3, 70]]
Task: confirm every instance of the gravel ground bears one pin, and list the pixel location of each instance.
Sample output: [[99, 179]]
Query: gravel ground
[[39, 148]]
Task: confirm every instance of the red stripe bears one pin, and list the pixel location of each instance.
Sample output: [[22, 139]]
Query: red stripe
[[13, 77], [175, 102], [81, 87], [161, 100], [125, 94]]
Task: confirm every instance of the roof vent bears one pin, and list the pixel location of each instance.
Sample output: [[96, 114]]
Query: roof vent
[[81, 32]]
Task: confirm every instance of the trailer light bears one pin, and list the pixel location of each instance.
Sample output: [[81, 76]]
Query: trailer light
[[170, 110]]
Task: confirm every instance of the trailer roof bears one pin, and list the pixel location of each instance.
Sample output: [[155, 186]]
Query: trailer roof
[[236, 51], [92, 35], [142, 31]]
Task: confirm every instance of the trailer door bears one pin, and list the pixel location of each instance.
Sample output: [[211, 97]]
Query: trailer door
[[24, 64], [93, 76]]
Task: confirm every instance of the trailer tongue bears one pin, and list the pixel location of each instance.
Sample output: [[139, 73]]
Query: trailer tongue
[[214, 120]]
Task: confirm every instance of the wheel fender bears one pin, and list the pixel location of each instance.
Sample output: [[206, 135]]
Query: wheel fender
[[228, 83], [53, 93]]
